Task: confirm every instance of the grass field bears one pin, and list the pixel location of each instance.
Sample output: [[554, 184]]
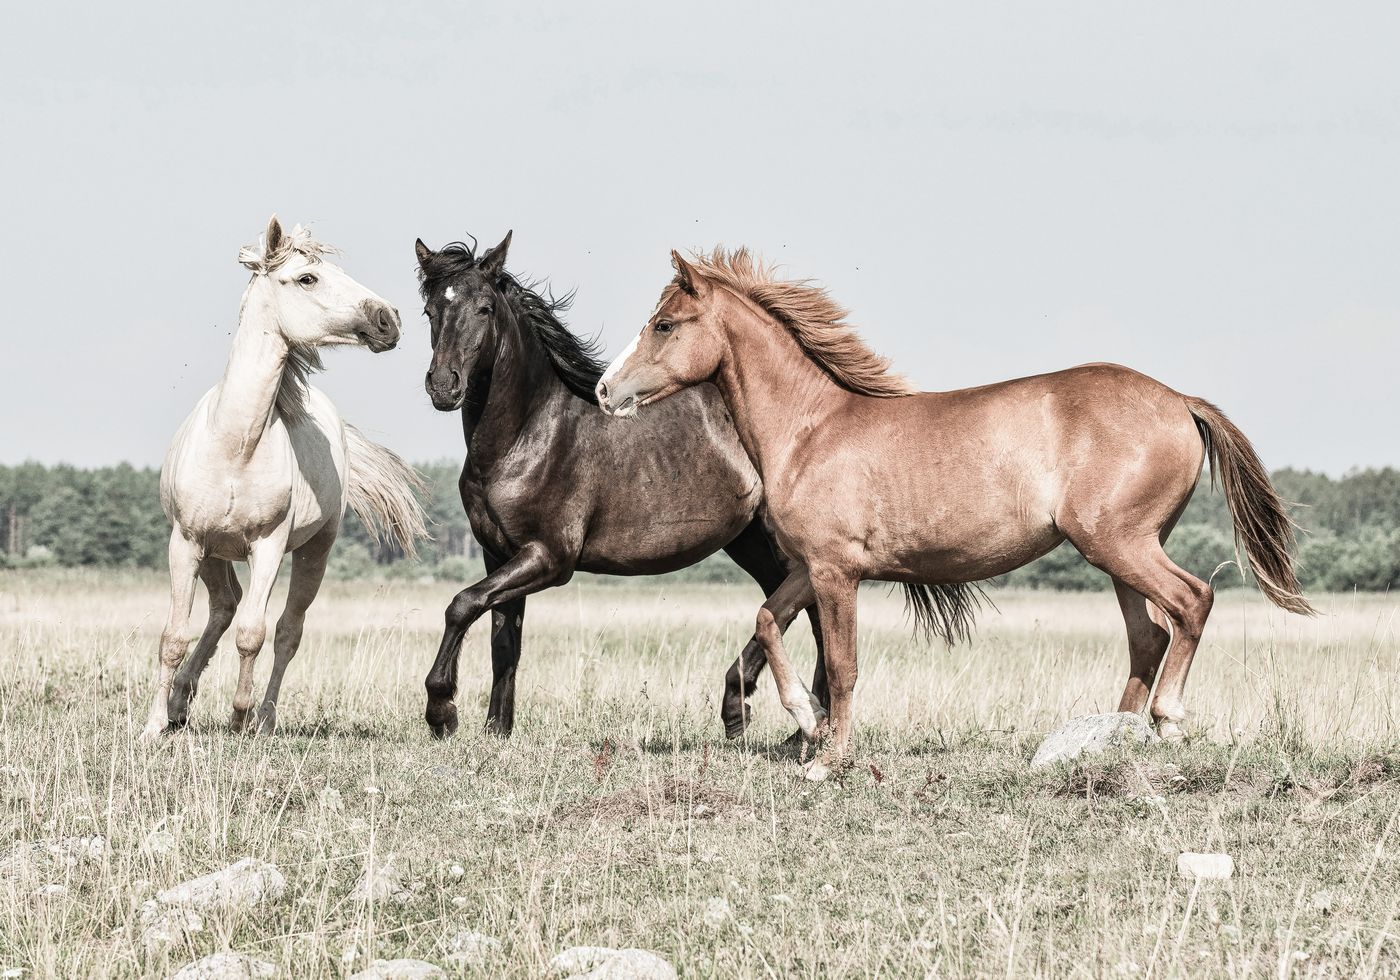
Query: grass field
[[618, 815]]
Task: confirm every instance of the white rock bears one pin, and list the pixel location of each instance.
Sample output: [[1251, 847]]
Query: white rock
[[158, 842], [225, 966], [401, 970], [470, 948], [1190, 865], [166, 924], [717, 912], [1091, 735], [602, 963], [242, 884], [380, 881], [330, 799], [25, 861]]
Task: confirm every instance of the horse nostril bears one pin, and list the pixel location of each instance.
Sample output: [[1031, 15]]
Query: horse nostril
[[388, 321], [456, 380]]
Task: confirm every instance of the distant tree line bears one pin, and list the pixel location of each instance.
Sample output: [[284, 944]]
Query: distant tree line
[[111, 516]]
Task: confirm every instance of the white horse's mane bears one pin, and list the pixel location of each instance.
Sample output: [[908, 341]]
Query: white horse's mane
[[302, 360], [258, 260]]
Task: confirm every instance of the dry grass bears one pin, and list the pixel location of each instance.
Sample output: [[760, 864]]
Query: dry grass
[[618, 815]]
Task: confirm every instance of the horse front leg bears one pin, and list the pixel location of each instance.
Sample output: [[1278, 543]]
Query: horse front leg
[[174, 641], [250, 628], [532, 568], [836, 603], [794, 594]]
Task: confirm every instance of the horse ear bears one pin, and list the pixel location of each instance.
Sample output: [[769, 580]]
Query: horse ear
[[493, 263], [686, 276], [424, 252], [273, 236]]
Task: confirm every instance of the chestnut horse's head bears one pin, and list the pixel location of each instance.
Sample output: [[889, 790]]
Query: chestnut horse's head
[[681, 345]]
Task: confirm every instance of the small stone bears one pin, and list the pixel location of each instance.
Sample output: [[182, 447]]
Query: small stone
[[329, 798], [602, 963], [31, 862], [242, 884], [1092, 735], [158, 843], [470, 948], [380, 881], [717, 912], [400, 970], [1205, 866], [163, 925], [226, 966]]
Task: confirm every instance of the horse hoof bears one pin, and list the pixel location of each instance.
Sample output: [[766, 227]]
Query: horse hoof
[[815, 771], [496, 727], [267, 723], [442, 719], [1170, 731], [736, 722], [152, 733]]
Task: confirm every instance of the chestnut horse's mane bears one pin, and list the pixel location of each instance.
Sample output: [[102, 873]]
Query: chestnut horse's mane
[[814, 319]]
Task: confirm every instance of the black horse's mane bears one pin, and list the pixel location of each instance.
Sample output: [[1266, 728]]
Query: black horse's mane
[[575, 360]]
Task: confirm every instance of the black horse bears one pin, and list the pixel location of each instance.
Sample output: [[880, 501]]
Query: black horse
[[544, 468]]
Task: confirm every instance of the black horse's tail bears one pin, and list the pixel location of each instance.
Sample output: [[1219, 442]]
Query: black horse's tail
[[948, 612]]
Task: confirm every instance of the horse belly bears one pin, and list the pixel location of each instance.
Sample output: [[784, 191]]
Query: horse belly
[[677, 520]]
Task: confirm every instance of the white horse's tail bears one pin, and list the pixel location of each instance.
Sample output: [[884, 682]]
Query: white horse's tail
[[384, 493]]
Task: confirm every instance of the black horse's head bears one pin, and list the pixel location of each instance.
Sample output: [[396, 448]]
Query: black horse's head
[[462, 295]]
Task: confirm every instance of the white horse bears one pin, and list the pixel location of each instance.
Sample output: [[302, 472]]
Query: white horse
[[265, 465]]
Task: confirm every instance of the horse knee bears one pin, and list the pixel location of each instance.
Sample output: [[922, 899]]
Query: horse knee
[[766, 626], [172, 649], [250, 638]]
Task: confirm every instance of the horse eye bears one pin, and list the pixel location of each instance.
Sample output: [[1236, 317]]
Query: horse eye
[[487, 310], [664, 326], [307, 280]]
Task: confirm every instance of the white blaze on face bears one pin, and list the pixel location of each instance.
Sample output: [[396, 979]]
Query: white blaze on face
[[449, 294], [611, 373]]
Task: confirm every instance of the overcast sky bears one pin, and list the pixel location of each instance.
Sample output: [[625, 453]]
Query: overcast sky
[[1207, 192]]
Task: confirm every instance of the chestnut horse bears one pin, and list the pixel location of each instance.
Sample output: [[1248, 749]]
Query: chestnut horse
[[867, 478]]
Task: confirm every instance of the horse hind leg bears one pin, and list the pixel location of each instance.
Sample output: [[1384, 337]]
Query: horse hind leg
[[224, 595], [1148, 638], [308, 570], [1143, 567]]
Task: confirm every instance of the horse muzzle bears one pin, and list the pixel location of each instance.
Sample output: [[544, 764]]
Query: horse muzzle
[[382, 327], [614, 403]]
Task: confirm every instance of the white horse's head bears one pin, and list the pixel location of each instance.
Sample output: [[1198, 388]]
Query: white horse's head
[[314, 301]]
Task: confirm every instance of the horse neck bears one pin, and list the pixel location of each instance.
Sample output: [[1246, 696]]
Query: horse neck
[[772, 419], [522, 381], [248, 391]]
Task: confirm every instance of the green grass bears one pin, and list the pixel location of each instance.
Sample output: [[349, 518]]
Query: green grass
[[618, 815]]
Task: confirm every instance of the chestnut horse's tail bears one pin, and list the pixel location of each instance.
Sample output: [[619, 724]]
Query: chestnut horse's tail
[[1262, 524], [945, 611]]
